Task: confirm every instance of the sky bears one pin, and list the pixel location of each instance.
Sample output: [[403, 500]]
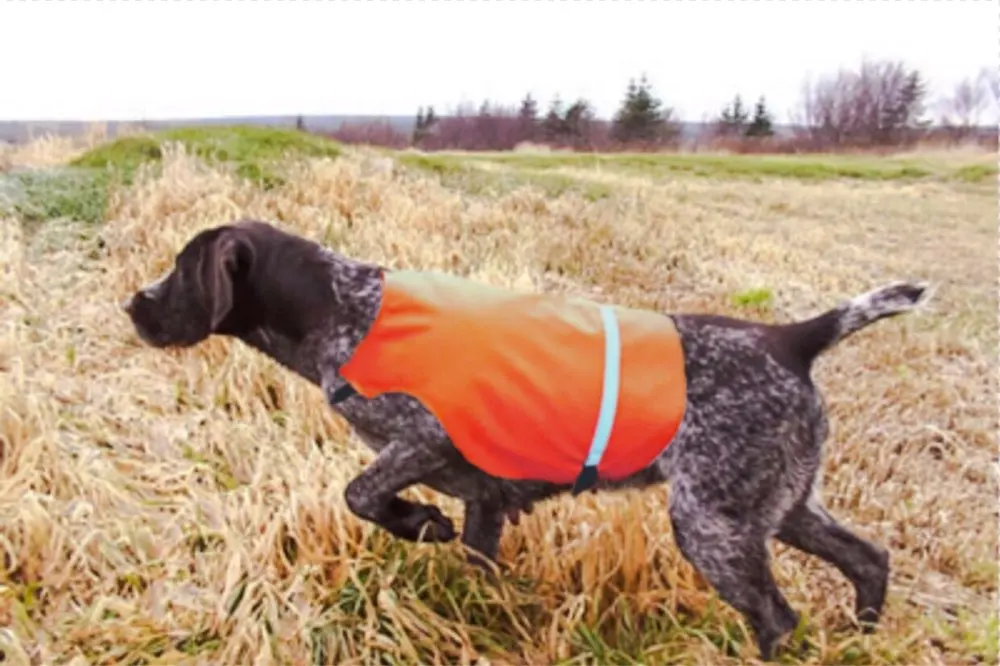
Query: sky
[[182, 59]]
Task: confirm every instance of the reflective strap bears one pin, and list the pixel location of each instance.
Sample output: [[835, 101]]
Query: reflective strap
[[609, 400]]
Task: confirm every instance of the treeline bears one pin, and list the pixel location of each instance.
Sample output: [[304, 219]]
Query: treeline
[[881, 105]]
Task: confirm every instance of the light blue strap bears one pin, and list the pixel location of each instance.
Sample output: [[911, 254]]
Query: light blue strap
[[609, 394]]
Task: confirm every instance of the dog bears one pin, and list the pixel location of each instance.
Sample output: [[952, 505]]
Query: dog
[[742, 466]]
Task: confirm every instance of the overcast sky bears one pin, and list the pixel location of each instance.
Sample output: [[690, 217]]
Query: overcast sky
[[118, 60]]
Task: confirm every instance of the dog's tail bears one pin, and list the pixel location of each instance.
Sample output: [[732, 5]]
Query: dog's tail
[[810, 338]]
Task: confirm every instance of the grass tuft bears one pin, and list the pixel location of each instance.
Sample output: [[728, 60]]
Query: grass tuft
[[761, 297]]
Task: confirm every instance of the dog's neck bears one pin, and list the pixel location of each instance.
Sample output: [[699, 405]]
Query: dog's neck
[[358, 292], [341, 312]]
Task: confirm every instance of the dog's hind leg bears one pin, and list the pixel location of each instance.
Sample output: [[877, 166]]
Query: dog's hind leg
[[809, 528], [372, 494], [481, 532], [732, 556]]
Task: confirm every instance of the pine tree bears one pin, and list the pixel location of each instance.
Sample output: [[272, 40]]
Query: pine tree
[[902, 110], [733, 118], [485, 127], [418, 127], [762, 123], [911, 102], [577, 120], [529, 109], [527, 118], [642, 116], [554, 127], [424, 122]]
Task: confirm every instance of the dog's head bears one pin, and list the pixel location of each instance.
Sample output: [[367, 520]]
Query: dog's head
[[239, 277], [196, 298]]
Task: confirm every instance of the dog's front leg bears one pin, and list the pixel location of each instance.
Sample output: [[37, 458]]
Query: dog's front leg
[[372, 494]]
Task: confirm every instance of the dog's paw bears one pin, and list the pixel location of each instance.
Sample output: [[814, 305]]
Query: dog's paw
[[423, 522]]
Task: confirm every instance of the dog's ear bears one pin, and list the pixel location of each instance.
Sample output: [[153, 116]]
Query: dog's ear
[[229, 253]]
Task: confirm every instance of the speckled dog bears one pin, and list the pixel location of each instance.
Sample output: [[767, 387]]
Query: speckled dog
[[741, 469]]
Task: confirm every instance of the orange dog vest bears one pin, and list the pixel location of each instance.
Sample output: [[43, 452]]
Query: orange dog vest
[[527, 386]]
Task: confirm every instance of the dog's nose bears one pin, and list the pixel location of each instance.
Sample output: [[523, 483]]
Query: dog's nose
[[126, 304]]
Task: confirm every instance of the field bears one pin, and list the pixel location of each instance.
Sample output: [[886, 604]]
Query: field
[[186, 507]]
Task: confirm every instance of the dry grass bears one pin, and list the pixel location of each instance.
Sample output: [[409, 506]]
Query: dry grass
[[53, 149], [186, 507]]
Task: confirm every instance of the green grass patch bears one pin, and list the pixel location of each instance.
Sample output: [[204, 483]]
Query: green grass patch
[[461, 173], [761, 297], [441, 165], [255, 153], [122, 155], [79, 194], [976, 173], [662, 164], [438, 590]]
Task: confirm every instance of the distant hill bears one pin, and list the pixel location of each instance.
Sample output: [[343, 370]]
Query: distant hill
[[20, 131]]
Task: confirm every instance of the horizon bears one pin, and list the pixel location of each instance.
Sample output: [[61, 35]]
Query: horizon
[[452, 54]]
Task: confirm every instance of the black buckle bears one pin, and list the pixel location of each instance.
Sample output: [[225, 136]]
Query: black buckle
[[586, 480], [342, 394]]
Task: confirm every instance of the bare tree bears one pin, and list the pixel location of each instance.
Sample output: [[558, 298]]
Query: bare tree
[[879, 104], [966, 104], [989, 78]]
